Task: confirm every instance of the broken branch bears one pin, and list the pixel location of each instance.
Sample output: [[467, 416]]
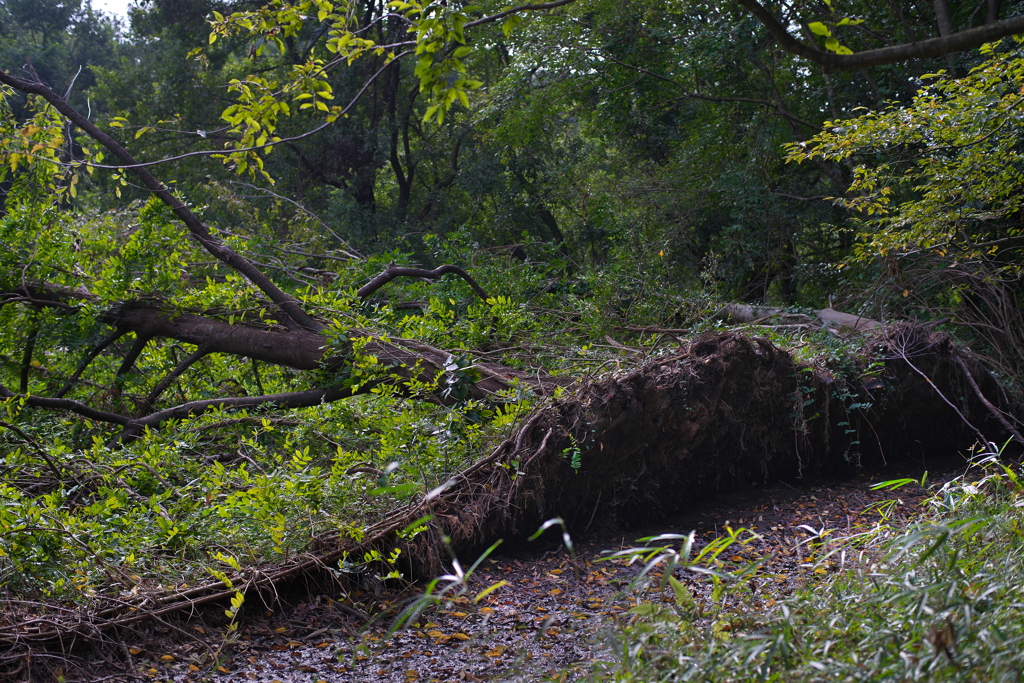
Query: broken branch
[[393, 271]]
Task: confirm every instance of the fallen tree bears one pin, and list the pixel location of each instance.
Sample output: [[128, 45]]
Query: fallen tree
[[826, 317], [297, 341], [727, 410], [295, 348]]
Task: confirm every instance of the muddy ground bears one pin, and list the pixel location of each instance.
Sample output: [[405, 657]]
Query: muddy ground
[[553, 616]]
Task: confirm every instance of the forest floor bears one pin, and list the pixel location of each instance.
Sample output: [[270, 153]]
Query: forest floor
[[552, 618]]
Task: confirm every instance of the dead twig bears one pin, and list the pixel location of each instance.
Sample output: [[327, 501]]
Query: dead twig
[[996, 413]]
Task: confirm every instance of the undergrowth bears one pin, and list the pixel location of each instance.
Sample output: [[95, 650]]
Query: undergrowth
[[939, 600], [85, 519], [175, 507]]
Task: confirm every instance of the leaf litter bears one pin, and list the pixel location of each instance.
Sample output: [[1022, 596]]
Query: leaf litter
[[549, 619]]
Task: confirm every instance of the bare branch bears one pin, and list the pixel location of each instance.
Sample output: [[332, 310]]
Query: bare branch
[[89, 358], [998, 414], [133, 354], [134, 427], [161, 386], [350, 253], [26, 356], [393, 271], [31, 443], [798, 198], [515, 10], [903, 353], [45, 295], [292, 399], [67, 404]]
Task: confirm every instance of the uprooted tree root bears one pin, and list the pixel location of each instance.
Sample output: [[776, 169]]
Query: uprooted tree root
[[727, 410]]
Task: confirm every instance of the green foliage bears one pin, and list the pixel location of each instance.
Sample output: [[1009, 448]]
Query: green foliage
[[941, 173], [931, 602], [439, 29], [86, 519], [224, 486], [937, 184], [607, 168], [831, 42], [439, 46]]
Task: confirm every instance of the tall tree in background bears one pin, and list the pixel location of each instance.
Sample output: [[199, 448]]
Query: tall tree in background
[[676, 99], [63, 40]]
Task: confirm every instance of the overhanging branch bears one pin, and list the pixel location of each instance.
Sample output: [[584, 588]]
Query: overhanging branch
[[926, 49], [199, 231]]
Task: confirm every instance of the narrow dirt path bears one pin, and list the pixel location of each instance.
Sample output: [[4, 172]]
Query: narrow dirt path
[[548, 617]]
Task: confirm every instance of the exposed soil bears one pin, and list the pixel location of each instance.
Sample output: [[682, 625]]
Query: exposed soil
[[728, 411], [553, 614]]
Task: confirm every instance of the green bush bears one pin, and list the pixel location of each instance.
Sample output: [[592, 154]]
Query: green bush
[[940, 600]]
